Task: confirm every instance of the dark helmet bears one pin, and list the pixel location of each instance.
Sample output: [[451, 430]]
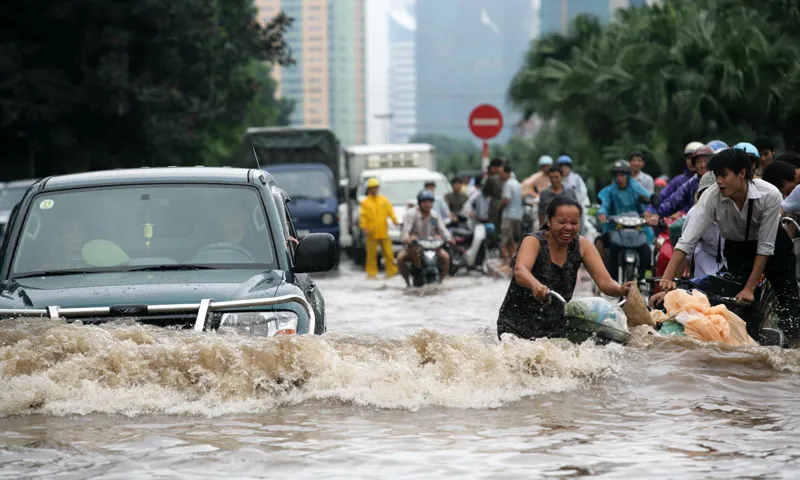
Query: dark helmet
[[425, 195], [621, 166]]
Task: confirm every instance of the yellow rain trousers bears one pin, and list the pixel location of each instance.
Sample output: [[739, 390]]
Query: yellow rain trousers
[[375, 209]]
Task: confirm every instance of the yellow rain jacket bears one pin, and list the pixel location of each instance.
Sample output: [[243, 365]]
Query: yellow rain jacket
[[374, 211]]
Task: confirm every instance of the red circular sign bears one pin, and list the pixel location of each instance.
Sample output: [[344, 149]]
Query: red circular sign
[[486, 121]]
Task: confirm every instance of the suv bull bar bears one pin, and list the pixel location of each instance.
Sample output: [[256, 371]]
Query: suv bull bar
[[203, 309]]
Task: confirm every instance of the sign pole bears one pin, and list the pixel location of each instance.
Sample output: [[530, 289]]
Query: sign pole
[[485, 156]]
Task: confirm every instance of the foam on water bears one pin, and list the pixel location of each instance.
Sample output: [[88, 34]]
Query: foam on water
[[55, 368]]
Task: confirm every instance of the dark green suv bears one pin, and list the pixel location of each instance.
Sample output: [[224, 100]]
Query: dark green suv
[[182, 247]]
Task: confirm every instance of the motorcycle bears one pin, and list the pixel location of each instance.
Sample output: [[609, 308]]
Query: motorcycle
[[530, 214], [469, 248], [722, 289], [428, 271], [625, 239]]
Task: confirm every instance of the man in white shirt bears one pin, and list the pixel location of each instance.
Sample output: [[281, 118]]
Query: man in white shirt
[[636, 159], [747, 212], [511, 214]]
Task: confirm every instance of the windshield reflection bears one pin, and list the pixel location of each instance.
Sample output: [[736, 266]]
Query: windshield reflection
[[127, 228]]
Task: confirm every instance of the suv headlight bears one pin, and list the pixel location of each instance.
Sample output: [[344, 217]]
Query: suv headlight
[[328, 218], [265, 324]]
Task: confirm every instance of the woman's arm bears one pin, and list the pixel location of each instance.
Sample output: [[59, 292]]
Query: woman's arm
[[594, 264], [523, 267]]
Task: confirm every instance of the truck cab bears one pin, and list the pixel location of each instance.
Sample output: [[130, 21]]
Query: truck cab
[[311, 188]]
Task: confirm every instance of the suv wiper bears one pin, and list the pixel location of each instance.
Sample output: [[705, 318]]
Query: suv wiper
[[168, 268], [53, 273]]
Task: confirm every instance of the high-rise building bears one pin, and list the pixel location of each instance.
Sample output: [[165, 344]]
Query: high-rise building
[[327, 82], [402, 73], [555, 15], [467, 52]]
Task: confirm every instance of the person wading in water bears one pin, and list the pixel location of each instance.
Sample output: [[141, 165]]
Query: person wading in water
[[549, 260]]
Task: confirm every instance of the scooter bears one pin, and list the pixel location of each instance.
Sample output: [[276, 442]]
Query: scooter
[[625, 240], [428, 272], [469, 246]]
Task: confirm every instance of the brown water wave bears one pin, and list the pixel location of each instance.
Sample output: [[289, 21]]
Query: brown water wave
[[56, 368]]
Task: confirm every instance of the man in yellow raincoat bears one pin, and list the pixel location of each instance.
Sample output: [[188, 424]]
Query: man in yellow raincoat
[[375, 209]]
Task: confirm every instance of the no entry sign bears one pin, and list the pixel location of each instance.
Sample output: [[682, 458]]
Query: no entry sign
[[486, 121]]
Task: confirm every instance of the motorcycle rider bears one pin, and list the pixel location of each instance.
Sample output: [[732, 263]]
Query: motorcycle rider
[[688, 171], [439, 205], [747, 211], [573, 180], [766, 150], [707, 258], [660, 184], [636, 159], [621, 197], [457, 198], [536, 183], [683, 198], [423, 222]]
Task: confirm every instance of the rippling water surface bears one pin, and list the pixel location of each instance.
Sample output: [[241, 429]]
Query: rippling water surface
[[407, 384]]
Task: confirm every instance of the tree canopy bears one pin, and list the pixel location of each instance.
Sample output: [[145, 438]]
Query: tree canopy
[[91, 84], [661, 76]]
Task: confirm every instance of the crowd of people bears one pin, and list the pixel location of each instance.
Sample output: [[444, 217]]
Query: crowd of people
[[731, 198]]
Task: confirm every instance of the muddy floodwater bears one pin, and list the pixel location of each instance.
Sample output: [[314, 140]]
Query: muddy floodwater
[[405, 384]]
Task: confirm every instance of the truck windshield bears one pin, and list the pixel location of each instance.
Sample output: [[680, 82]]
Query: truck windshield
[[401, 191], [125, 228], [313, 184], [10, 197]]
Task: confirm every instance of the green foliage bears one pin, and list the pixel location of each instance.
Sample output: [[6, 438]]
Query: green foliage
[[662, 76], [452, 154], [92, 84]]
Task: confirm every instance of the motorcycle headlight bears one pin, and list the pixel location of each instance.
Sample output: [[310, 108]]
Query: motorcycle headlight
[[328, 218], [265, 324]]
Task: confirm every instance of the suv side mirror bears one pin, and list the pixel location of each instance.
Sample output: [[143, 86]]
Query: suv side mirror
[[316, 252]]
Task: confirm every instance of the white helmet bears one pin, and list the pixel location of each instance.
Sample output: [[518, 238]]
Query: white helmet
[[545, 160], [691, 147]]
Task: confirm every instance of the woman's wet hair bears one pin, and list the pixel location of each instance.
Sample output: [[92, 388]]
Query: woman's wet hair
[[556, 203], [731, 159], [778, 173]]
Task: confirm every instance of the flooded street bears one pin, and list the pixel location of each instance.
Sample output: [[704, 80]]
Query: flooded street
[[405, 384]]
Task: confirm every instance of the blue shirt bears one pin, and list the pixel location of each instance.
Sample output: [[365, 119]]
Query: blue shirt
[[619, 201]]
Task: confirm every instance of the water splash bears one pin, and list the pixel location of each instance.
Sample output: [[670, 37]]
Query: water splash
[[55, 368]]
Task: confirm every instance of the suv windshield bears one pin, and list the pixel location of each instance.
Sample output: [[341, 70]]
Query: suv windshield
[[10, 197], [137, 227], [314, 184], [401, 191]]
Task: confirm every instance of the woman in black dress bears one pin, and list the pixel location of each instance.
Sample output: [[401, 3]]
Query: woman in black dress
[[549, 260]]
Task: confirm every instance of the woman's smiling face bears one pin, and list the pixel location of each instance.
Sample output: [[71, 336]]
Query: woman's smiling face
[[565, 224]]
